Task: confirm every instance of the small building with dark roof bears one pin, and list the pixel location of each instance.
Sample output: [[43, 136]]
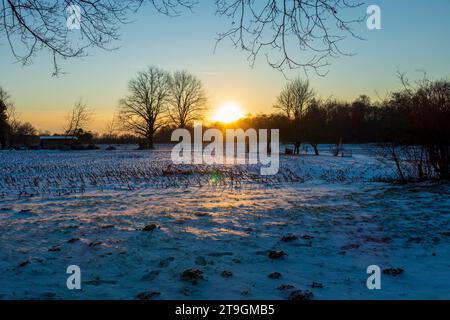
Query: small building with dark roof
[[57, 142]]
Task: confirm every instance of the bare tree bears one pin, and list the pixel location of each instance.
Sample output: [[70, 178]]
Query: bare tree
[[111, 130], [10, 123], [285, 102], [5, 106], [77, 119], [26, 129], [5, 97], [13, 117], [292, 33], [14, 122], [293, 101], [187, 99], [32, 25], [294, 98], [9, 119], [143, 110], [112, 127]]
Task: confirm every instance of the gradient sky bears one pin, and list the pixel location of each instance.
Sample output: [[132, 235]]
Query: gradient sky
[[414, 36]]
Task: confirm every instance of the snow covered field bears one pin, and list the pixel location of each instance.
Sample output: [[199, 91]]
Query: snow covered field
[[336, 218]]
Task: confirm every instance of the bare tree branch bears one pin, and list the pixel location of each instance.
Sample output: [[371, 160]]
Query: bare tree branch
[[32, 25], [291, 33]]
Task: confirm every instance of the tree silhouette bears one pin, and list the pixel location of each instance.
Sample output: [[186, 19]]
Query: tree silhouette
[[293, 101], [77, 119], [312, 125], [5, 107], [143, 109], [294, 98], [187, 99]]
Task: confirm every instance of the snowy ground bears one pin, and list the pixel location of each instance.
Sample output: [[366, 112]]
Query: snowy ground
[[89, 208]]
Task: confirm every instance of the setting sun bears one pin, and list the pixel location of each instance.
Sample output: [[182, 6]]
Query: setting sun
[[228, 112]]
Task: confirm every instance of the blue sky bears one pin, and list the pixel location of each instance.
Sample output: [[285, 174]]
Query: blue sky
[[414, 36]]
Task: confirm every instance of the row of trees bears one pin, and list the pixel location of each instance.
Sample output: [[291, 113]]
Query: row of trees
[[16, 133], [411, 126], [157, 98], [418, 131]]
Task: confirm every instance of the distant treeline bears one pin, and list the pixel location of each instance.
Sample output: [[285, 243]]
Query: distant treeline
[[424, 116], [418, 115]]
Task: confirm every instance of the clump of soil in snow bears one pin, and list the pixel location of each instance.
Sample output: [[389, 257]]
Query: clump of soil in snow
[[276, 254], [192, 275], [275, 275], [351, 246], [285, 287], [54, 249], [393, 271], [300, 295], [148, 295], [316, 285], [226, 274], [289, 237], [415, 240], [150, 227], [28, 261], [377, 240], [95, 244]]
